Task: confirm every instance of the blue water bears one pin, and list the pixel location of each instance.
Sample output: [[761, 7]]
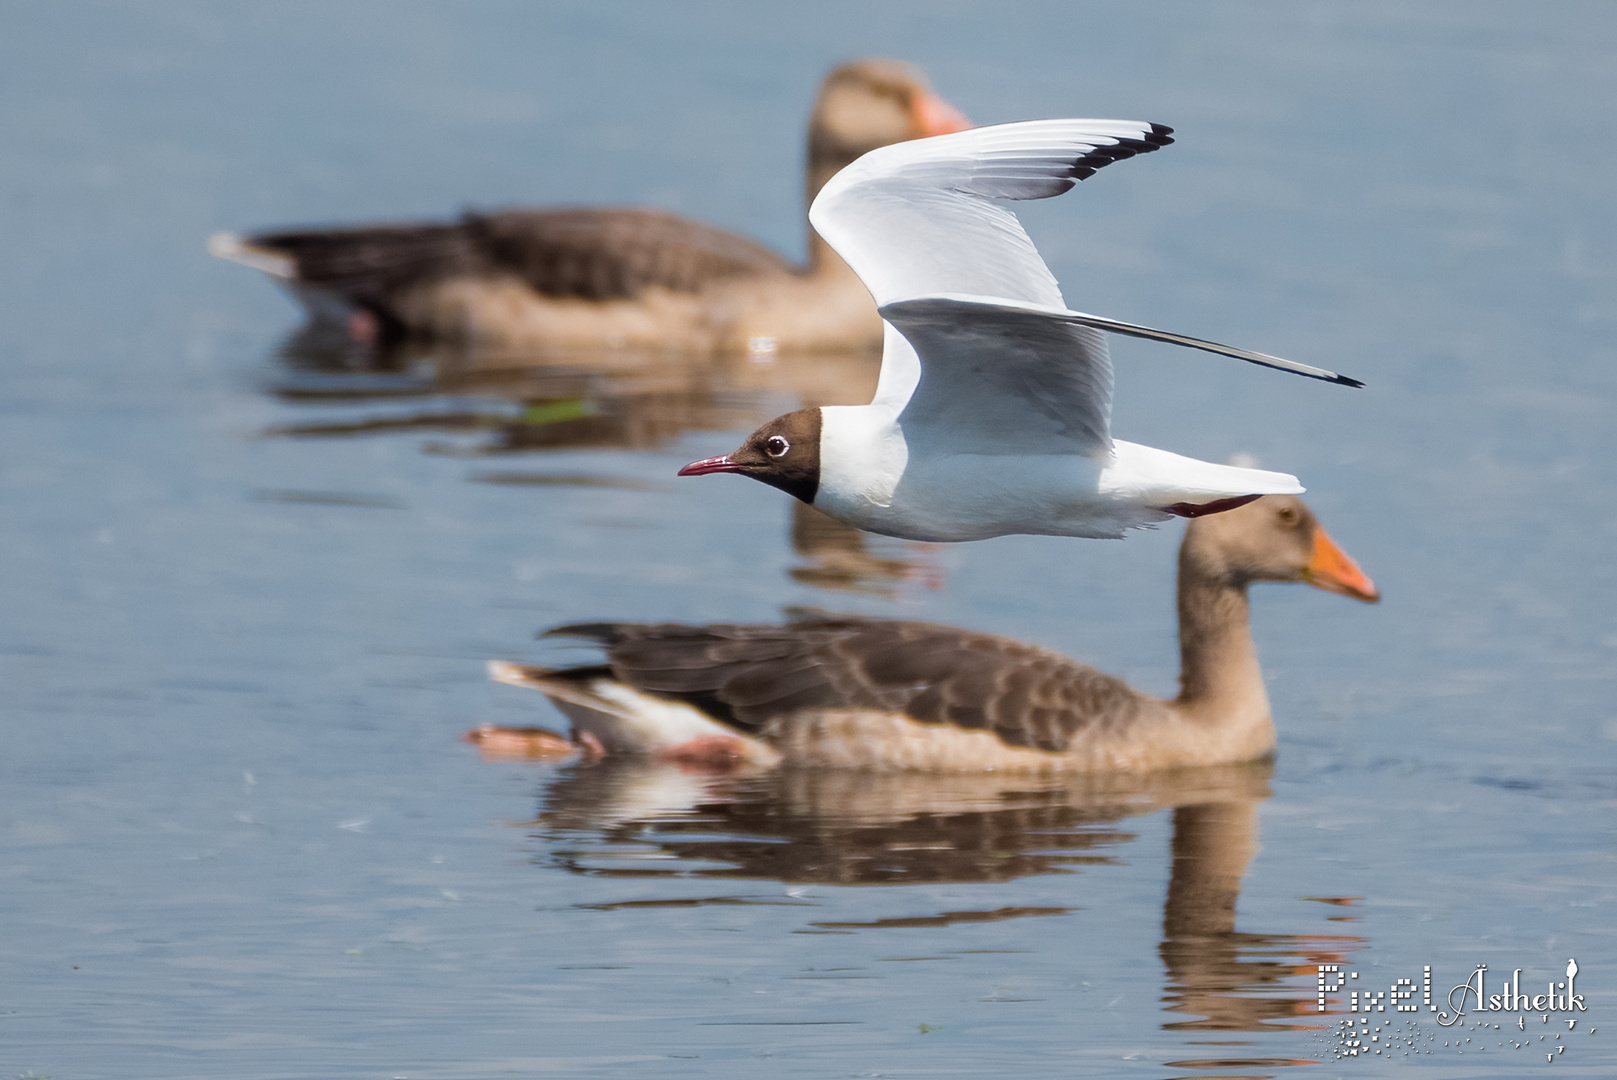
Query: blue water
[[247, 604]]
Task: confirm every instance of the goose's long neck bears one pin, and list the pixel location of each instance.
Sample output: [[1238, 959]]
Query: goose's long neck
[[1220, 682], [823, 261]]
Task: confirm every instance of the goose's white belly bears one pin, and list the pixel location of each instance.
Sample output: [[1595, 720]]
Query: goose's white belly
[[869, 479]]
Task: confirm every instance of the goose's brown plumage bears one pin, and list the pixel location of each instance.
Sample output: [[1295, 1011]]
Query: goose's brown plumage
[[581, 254], [613, 276], [748, 676], [886, 694]]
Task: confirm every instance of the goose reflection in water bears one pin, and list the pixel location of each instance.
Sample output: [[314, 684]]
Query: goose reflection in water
[[634, 818], [497, 403]]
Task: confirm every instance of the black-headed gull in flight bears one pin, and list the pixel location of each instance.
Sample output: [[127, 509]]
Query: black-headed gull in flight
[[992, 414]]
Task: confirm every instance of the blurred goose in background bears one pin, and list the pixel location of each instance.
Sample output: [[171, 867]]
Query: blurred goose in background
[[891, 695], [619, 277], [993, 410]]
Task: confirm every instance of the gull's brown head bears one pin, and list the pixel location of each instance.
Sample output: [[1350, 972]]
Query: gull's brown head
[[784, 453]]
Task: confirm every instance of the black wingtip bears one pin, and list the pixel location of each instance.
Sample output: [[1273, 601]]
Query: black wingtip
[[1343, 380], [1119, 149]]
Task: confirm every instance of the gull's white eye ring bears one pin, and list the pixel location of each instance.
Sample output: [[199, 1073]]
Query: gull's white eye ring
[[776, 446]]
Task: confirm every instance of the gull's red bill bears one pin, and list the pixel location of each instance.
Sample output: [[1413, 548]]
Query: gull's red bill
[[722, 463]]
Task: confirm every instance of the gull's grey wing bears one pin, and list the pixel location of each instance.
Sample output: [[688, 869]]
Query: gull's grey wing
[[999, 378], [1261, 359], [1008, 317]]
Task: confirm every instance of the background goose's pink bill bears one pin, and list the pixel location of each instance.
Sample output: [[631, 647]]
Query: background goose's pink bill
[[710, 465]]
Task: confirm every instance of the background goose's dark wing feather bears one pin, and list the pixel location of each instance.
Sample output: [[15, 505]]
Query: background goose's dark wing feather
[[591, 254], [366, 266], [747, 674], [615, 254]]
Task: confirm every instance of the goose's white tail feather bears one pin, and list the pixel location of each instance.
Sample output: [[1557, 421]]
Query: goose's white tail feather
[[621, 718], [226, 245]]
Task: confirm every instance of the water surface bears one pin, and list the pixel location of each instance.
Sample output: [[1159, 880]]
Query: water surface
[[250, 588]]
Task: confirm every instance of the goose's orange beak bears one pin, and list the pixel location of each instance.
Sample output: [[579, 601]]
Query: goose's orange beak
[[1332, 569], [934, 116]]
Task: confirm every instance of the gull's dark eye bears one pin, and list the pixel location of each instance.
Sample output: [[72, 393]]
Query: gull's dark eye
[[1288, 515], [776, 446]]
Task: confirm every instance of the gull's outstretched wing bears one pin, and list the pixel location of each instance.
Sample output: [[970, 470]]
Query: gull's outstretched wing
[[999, 378], [925, 217], [925, 220], [1261, 359], [1014, 328]]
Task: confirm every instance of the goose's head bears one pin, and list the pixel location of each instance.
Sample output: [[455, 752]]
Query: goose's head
[[784, 453], [1275, 538], [868, 104]]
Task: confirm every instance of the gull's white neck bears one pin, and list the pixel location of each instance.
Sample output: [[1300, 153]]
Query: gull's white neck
[[862, 458]]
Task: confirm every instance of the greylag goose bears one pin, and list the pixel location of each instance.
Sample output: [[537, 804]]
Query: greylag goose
[[993, 410], [891, 695], [621, 277]]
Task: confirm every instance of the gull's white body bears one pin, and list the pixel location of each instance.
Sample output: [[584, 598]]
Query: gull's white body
[[992, 415], [869, 480]]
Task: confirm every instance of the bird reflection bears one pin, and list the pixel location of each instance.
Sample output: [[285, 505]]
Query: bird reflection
[[841, 558], [1229, 980], [519, 402], [491, 402], [623, 817]]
